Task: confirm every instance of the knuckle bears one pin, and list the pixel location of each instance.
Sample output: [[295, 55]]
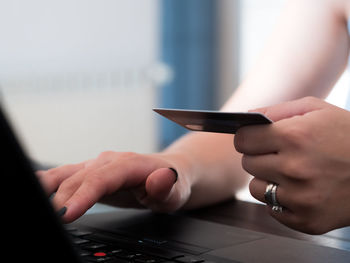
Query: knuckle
[[297, 168], [93, 179], [129, 155], [290, 168], [106, 155], [296, 136], [52, 177], [67, 185], [309, 100], [53, 172], [313, 101], [118, 157], [96, 183]]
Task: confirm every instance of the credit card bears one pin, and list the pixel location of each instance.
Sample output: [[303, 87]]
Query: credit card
[[213, 121]]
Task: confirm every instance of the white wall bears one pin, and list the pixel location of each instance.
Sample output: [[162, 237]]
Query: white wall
[[78, 77], [61, 35]]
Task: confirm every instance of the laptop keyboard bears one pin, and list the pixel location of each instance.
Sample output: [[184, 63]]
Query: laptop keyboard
[[98, 247]]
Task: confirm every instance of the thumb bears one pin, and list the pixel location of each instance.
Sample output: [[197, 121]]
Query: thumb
[[291, 108], [159, 183]]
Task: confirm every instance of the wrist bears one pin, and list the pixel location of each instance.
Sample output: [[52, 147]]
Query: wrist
[[179, 162]]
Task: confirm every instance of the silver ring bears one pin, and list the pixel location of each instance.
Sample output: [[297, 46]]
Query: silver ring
[[277, 208], [268, 194], [271, 197]]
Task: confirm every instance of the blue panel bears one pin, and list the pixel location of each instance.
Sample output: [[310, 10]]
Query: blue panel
[[188, 46]]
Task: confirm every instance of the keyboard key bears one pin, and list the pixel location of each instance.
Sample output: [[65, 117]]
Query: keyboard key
[[83, 253], [70, 228], [116, 251], [79, 233], [99, 247], [149, 260], [128, 255], [79, 241], [97, 259], [94, 246], [100, 254]]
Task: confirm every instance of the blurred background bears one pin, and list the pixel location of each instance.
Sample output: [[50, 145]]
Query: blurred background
[[81, 77]]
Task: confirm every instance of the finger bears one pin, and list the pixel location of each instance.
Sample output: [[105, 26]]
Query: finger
[[91, 189], [157, 186], [291, 215], [264, 138], [122, 198], [159, 183], [139, 193], [52, 178], [257, 139], [67, 188], [257, 189], [288, 217], [167, 194], [99, 182], [69, 184], [265, 167], [291, 108]]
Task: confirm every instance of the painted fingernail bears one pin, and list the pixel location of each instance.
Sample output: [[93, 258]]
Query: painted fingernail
[[61, 212], [175, 172]]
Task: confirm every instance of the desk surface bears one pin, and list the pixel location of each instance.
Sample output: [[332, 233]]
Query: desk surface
[[255, 217]]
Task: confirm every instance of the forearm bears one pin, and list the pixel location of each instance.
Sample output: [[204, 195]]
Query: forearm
[[305, 55]]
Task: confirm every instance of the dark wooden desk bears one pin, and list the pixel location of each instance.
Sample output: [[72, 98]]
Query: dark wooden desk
[[254, 217]]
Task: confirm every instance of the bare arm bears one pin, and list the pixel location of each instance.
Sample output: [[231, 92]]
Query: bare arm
[[305, 56]]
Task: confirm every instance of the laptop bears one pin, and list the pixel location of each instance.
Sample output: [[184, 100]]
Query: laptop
[[33, 232]]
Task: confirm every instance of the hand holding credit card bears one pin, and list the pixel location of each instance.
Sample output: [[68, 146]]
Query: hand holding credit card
[[213, 121]]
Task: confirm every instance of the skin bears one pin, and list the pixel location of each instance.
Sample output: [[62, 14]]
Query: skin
[[306, 152], [292, 65]]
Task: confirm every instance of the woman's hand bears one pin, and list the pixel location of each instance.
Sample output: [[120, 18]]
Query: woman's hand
[[306, 152], [123, 179]]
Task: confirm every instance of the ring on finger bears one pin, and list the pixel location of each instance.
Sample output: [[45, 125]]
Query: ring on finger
[[270, 196]]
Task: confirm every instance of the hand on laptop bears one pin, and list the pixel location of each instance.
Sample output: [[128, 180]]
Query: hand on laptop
[[306, 152], [123, 179]]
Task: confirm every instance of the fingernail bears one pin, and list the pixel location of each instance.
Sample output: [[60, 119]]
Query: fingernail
[[61, 212], [175, 172]]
